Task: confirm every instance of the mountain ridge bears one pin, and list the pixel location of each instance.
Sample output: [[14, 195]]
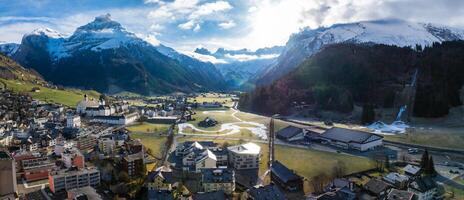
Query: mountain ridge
[[307, 42], [99, 48]]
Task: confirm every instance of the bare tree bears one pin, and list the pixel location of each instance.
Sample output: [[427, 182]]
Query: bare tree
[[318, 182], [339, 169]]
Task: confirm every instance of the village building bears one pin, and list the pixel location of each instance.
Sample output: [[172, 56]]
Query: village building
[[106, 145], [285, 178], [85, 104], [343, 193], [86, 143], [207, 122], [412, 170], [8, 188], [244, 156], [162, 119], [291, 133], [266, 192], [352, 139], [398, 180], [425, 188], [160, 179], [375, 188], [195, 156], [34, 166], [159, 195], [67, 179], [123, 119], [219, 179], [400, 195], [73, 158], [133, 164], [83, 193], [73, 121], [217, 195]]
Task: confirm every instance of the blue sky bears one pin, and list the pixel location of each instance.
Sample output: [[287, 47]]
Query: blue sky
[[187, 24]]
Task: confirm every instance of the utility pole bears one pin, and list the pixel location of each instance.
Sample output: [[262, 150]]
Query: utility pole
[[271, 138]]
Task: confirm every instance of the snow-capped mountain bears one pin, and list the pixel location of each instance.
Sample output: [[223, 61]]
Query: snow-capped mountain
[[389, 32], [103, 55]]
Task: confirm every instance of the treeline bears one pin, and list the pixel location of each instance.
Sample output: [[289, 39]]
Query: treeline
[[343, 75]]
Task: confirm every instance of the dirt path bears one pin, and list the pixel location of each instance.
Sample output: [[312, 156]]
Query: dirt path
[[258, 129]]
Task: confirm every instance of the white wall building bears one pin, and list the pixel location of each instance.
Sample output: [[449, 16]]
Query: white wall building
[[245, 156], [73, 121]]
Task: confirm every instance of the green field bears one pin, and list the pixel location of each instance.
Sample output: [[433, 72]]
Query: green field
[[68, 97], [453, 139], [309, 163], [212, 97], [152, 141], [145, 127], [222, 116]]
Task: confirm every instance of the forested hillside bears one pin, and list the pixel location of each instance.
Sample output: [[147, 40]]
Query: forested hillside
[[343, 75]]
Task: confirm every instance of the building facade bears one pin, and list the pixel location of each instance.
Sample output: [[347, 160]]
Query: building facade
[[8, 176], [219, 179], [73, 178], [244, 156]]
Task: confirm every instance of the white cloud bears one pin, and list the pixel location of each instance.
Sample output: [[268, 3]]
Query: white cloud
[[210, 8], [197, 28], [187, 25], [246, 57], [252, 9], [227, 25], [192, 10], [204, 58]]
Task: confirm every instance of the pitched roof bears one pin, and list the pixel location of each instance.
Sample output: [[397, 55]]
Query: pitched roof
[[218, 195], [159, 195], [266, 193], [282, 172], [423, 184], [411, 169], [376, 186], [289, 132], [400, 195], [348, 135], [218, 175]]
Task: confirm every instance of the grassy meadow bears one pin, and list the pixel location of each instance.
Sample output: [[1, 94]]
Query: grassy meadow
[[68, 97], [145, 127]]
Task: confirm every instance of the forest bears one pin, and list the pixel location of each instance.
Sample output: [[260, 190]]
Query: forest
[[343, 75]]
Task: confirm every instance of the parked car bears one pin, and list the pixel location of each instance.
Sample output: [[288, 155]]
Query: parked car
[[413, 150]]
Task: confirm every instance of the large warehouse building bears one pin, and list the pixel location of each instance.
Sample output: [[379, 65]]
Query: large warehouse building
[[352, 139]]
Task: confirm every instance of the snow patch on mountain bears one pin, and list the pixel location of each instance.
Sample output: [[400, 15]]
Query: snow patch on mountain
[[389, 32], [46, 32], [204, 58], [8, 48], [102, 33]]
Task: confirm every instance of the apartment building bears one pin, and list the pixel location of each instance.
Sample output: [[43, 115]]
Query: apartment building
[[73, 178], [8, 176], [245, 156], [219, 179]]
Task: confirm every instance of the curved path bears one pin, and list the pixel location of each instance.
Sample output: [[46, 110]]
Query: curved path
[[258, 129]]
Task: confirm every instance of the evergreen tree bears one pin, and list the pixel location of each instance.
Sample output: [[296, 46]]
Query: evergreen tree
[[368, 114], [430, 167], [424, 160]]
